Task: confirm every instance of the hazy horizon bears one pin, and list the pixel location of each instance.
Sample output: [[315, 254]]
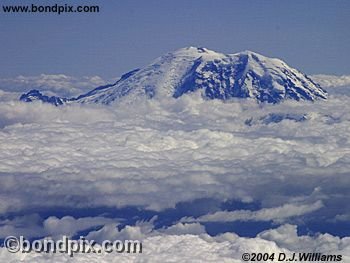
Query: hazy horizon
[[311, 36]]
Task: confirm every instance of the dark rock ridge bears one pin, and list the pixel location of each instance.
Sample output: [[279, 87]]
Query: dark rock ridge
[[35, 95]]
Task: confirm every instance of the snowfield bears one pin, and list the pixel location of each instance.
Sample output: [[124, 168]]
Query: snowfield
[[193, 69]]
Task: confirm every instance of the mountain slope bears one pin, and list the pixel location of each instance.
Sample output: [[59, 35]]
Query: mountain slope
[[35, 95], [215, 75]]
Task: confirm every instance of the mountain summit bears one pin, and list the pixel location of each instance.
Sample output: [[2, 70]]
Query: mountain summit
[[214, 75]]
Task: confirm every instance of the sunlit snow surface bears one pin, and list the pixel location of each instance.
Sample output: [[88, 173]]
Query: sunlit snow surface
[[215, 75], [191, 178]]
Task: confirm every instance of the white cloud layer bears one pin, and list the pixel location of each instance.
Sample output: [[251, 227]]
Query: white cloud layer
[[132, 156], [33, 226], [329, 81], [277, 214], [156, 154], [59, 84], [159, 247]]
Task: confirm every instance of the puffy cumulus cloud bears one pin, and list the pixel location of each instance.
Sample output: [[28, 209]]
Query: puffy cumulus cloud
[[286, 236], [6, 96], [184, 228], [60, 84], [328, 81], [110, 232], [186, 248], [156, 154], [228, 247], [14, 112], [33, 226], [334, 84], [69, 225], [143, 229], [277, 214]]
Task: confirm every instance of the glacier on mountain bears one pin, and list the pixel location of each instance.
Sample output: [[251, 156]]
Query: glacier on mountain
[[214, 75]]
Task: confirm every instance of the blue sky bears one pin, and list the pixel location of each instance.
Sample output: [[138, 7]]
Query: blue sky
[[312, 36]]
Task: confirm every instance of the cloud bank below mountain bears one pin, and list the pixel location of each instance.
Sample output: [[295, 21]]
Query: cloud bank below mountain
[[157, 155]]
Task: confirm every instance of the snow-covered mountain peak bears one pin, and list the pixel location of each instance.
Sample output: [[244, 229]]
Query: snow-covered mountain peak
[[197, 52], [248, 53], [215, 75]]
